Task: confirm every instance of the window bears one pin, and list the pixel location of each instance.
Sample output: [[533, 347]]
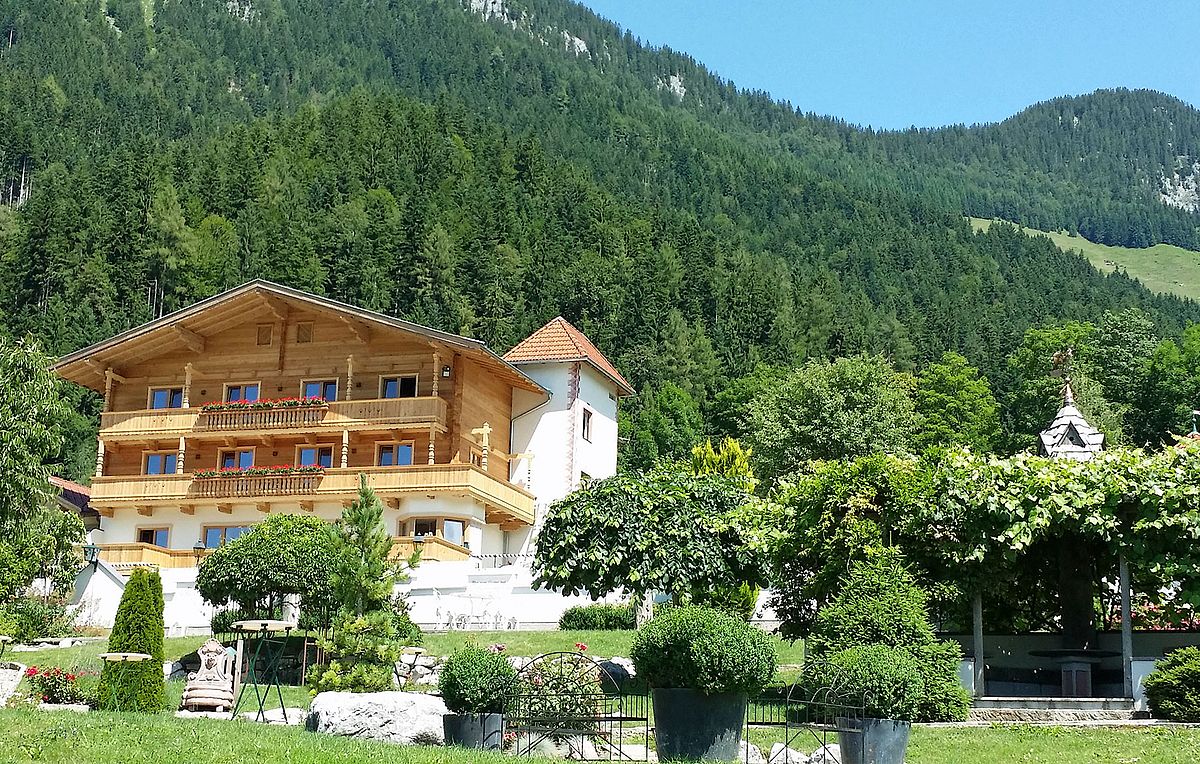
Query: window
[[425, 527], [166, 397], [155, 536], [219, 535], [314, 456], [398, 387], [160, 463], [452, 531], [236, 458], [587, 425], [304, 332], [319, 388], [265, 332], [394, 454], [243, 391]]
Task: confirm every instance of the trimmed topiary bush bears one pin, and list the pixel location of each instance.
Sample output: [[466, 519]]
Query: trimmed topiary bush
[[880, 603], [1173, 688], [598, 617], [885, 681], [138, 628], [703, 649], [476, 681]]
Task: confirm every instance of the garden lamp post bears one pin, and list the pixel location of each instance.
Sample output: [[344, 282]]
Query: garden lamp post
[[91, 555], [198, 550]]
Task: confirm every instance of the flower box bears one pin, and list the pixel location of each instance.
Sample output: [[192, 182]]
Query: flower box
[[264, 404], [281, 469]]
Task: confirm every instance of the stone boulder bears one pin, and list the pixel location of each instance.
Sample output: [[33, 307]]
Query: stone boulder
[[410, 718], [826, 754], [751, 754], [781, 754]]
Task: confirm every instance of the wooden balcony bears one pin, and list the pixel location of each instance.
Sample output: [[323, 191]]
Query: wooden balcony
[[378, 414], [126, 557], [507, 502]]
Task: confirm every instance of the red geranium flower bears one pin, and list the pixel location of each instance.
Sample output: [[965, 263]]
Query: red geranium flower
[[581, 647]]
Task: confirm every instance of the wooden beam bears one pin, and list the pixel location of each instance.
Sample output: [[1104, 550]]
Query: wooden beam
[[188, 509], [361, 331], [145, 511], [306, 506], [263, 507], [278, 308], [105, 511], [194, 341], [225, 508]]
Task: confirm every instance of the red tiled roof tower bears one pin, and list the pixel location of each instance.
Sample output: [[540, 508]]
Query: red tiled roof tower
[[560, 341]]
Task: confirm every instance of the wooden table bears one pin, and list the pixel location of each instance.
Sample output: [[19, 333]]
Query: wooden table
[[117, 676]]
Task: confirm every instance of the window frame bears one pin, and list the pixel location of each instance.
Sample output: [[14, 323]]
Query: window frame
[[412, 521], [384, 378], [146, 454], [585, 428], [137, 535], [379, 445], [333, 450], [237, 449], [337, 387], [204, 529], [170, 389], [227, 385]]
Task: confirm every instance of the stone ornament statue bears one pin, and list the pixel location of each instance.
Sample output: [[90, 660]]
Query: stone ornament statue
[[210, 688]]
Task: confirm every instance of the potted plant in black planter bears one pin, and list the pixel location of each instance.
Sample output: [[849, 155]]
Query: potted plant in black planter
[[701, 665], [474, 683], [874, 693]]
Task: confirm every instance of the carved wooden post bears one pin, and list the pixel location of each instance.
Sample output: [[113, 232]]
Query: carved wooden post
[[349, 380], [345, 448], [432, 437], [179, 457], [99, 458], [108, 385], [437, 375], [187, 386], [485, 433]]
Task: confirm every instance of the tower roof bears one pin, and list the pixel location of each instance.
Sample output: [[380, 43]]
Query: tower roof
[[1070, 435], [559, 341]]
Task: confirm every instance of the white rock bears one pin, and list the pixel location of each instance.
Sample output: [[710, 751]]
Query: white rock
[[185, 714], [751, 754], [826, 754], [781, 754], [574, 747], [393, 717], [10, 677], [295, 716], [79, 708]]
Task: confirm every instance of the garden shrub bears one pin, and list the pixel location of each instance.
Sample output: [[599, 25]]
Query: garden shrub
[[362, 651], [880, 603], [885, 681], [703, 649], [408, 633], [738, 599], [138, 628], [29, 618], [1173, 688], [476, 681], [599, 617], [222, 620]]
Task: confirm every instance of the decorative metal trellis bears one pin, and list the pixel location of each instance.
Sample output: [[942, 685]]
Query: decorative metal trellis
[[570, 702], [809, 718]]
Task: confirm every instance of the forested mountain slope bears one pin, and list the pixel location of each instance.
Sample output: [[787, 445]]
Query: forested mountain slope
[[482, 168]]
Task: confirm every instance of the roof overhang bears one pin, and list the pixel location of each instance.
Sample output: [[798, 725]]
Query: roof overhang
[[186, 329]]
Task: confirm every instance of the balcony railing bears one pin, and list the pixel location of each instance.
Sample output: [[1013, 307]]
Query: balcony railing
[[433, 548], [337, 415], [127, 556], [110, 491]]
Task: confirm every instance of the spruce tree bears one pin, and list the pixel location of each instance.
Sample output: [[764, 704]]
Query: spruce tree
[[138, 628], [364, 576]]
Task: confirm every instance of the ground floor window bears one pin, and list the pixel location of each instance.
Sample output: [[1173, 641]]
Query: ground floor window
[[453, 531], [219, 535], [425, 527], [155, 536]]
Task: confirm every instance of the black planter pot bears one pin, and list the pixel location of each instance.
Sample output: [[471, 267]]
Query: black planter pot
[[873, 741], [482, 731], [692, 726]]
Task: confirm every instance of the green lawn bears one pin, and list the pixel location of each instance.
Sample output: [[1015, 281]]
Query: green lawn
[[102, 738], [1161, 268]]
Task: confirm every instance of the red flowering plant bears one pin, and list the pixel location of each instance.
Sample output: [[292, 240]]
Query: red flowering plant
[[277, 469], [564, 689], [263, 403], [58, 685], [581, 647]]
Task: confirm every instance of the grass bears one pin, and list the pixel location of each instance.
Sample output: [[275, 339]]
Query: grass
[[104, 738], [1162, 268]]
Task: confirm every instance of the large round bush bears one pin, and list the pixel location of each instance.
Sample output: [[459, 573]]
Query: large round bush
[[1173, 688], [476, 681], [703, 649], [884, 681]]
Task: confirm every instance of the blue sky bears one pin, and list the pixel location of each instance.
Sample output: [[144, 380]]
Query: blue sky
[[927, 62]]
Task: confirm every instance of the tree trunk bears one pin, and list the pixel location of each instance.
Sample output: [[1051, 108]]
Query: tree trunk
[[645, 609], [1076, 594]]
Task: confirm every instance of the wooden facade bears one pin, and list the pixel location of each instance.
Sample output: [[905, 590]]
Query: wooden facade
[[450, 407]]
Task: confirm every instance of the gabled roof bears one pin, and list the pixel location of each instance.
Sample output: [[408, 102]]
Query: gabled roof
[[187, 328], [73, 497], [559, 341], [1070, 435]]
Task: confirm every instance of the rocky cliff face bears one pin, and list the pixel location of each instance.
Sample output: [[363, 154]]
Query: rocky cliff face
[[1181, 189]]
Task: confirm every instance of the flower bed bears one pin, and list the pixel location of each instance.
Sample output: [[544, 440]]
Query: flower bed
[[58, 685], [264, 404], [279, 469]]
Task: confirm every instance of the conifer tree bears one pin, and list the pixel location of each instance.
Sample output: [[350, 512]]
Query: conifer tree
[[138, 628], [363, 575]]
